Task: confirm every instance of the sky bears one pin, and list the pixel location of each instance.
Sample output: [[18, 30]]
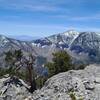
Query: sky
[[41, 18]]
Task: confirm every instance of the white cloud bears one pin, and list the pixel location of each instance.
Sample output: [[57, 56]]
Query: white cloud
[[27, 5], [78, 18], [85, 18]]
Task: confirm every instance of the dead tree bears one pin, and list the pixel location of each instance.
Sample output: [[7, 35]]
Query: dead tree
[[31, 74]]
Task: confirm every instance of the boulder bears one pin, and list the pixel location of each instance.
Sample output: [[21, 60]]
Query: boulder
[[82, 84]]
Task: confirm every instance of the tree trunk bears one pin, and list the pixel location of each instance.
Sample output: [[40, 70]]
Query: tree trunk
[[31, 78]]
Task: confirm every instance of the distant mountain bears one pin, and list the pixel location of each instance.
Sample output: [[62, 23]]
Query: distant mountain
[[23, 37], [87, 44], [82, 46], [61, 40], [12, 44]]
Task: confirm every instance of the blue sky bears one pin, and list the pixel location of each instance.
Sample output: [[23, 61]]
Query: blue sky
[[46, 17]]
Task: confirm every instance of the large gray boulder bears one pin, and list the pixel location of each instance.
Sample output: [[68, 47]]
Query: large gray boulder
[[83, 84]]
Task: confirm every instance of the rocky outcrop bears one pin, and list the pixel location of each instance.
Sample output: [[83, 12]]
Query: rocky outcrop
[[12, 88], [80, 84], [83, 84]]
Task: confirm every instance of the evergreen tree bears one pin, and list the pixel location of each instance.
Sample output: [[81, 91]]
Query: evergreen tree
[[13, 61], [61, 62]]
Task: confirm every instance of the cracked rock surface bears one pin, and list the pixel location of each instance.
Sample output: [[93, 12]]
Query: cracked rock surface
[[84, 84]]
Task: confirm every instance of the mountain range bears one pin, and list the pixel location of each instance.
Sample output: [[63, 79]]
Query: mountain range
[[84, 47], [23, 37]]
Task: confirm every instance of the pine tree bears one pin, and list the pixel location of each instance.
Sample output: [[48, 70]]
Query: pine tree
[[61, 62], [13, 61]]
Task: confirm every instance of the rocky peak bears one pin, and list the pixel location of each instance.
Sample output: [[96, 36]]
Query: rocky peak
[[71, 32], [3, 40]]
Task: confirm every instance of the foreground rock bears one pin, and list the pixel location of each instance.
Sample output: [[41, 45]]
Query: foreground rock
[[12, 88], [83, 84], [80, 84]]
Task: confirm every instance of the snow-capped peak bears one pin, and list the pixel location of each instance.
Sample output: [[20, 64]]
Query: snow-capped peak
[[3, 39], [71, 33]]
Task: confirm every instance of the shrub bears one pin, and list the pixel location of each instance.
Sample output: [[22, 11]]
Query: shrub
[[72, 95]]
